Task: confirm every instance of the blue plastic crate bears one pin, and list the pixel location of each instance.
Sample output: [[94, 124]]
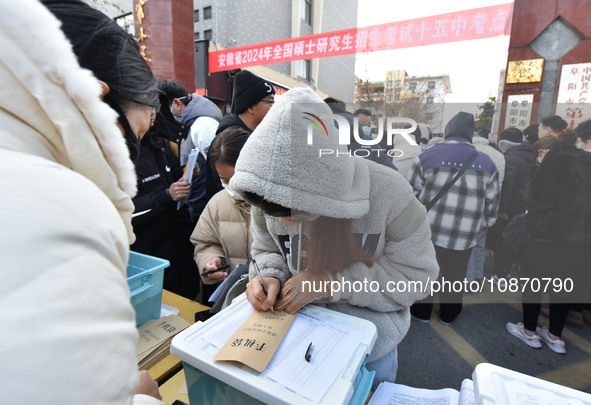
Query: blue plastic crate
[[145, 275]]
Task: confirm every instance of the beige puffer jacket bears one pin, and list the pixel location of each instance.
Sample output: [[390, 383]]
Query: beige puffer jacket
[[222, 231]]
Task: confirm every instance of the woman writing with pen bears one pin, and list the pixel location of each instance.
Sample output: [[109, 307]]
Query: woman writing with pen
[[322, 216], [221, 237]]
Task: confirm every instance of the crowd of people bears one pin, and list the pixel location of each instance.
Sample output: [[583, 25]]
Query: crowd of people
[[102, 139]]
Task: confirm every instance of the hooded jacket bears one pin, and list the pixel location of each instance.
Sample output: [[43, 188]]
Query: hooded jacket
[[278, 163], [202, 116], [67, 183]]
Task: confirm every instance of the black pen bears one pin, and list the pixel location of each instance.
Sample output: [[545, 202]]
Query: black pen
[[221, 268], [308, 355]]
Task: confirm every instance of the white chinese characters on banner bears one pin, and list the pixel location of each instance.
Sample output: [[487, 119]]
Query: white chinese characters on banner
[[519, 111], [574, 99]]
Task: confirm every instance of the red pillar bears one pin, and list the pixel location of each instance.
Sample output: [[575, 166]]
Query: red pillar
[[164, 30]]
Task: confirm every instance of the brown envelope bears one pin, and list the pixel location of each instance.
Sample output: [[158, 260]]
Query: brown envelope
[[256, 341]]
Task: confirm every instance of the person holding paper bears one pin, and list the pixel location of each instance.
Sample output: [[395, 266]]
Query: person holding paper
[[163, 231], [332, 226], [199, 118], [221, 235]]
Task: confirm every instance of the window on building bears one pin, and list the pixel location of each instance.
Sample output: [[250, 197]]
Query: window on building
[[126, 22], [207, 35], [195, 15], [388, 99], [412, 86], [397, 94], [430, 100], [307, 11], [196, 36], [397, 83], [206, 13], [431, 84], [389, 84], [303, 69]]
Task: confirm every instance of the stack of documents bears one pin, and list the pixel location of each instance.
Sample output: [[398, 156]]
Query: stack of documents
[[155, 338]]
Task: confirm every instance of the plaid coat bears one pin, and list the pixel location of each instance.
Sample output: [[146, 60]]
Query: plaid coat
[[469, 206]]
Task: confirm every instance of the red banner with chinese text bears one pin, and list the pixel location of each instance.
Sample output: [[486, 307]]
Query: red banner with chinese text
[[464, 25]]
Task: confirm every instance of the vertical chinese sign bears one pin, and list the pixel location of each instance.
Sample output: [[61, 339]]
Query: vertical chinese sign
[[573, 102], [142, 37], [519, 111]]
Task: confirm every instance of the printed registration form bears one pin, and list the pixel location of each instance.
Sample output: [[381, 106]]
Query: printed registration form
[[332, 345]]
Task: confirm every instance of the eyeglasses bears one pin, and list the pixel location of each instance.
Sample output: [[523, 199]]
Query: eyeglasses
[[270, 102]]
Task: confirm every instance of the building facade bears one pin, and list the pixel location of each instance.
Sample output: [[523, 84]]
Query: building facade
[[421, 98], [234, 23]]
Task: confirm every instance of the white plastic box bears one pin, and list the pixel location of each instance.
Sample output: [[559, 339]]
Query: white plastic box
[[220, 383], [497, 385]]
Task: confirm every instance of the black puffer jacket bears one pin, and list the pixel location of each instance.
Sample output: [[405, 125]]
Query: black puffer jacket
[[519, 166], [558, 198], [163, 231]]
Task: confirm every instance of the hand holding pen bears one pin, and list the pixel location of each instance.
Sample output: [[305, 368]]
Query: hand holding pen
[[262, 292]]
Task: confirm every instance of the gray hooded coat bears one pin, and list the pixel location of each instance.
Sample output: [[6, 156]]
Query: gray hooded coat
[[279, 164]]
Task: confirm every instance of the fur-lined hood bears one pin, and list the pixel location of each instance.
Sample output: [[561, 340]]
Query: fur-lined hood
[[51, 108]]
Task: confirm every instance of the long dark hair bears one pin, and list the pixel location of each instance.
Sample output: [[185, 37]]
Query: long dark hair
[[332, 246], [108, 51], [112, 55]]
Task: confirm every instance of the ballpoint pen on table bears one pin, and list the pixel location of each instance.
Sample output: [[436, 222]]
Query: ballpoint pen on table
[[308, 355]]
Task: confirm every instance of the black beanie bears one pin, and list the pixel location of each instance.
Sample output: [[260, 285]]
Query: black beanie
[[462, 125], [249, 89]]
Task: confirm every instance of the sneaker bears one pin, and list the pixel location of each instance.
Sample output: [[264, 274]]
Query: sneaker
[[519, 332], [421, 320], [557, 345]]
